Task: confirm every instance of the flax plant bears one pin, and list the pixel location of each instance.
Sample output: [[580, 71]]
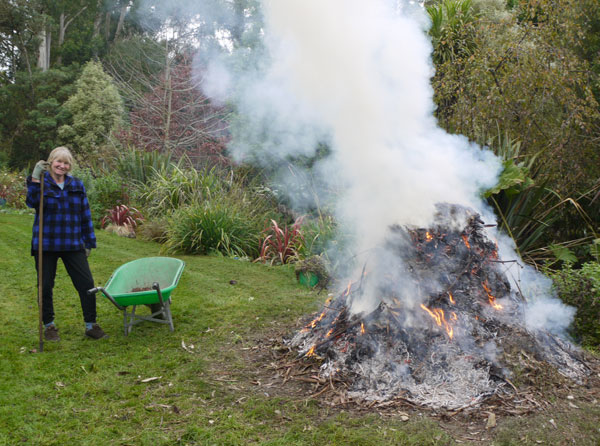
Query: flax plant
[[528, 209]]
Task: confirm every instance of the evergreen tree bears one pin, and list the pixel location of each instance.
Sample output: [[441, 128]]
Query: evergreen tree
[[96, 109]]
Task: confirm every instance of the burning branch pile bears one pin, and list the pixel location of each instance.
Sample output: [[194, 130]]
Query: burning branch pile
[[434, 333]]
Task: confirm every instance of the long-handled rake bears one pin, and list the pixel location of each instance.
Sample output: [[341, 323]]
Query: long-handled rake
[[40, 241]]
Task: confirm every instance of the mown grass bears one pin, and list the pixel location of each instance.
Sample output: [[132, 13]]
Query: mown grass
[[84, 392]]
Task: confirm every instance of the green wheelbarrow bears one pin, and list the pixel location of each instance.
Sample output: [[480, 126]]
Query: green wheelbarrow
[[147, 281]]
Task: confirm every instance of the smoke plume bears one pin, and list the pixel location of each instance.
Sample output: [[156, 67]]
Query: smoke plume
[[355, 76]]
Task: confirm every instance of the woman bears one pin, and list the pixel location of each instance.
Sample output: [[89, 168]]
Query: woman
[[68, 234]]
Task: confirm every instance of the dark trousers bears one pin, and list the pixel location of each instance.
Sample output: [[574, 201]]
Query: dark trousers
[[78, 269]]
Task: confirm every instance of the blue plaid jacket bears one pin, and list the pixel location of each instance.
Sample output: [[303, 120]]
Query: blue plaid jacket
[[67, 218]]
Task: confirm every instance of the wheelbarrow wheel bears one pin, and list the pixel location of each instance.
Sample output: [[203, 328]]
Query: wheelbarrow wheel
[[155, 308]]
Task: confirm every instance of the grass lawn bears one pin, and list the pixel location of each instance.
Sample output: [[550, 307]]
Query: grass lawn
[[85, 392]]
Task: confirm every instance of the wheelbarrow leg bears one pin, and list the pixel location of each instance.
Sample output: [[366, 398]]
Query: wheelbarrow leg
[[125, 321], [165, 304], [167, 313], [131, 319]]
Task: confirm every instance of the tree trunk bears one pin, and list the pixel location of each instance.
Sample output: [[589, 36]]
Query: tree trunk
[[168, 100], [237, 30], [62, 30], [28, 64], [44, 49], [107, 26], [121, 19], [61, 36], [98, 19]]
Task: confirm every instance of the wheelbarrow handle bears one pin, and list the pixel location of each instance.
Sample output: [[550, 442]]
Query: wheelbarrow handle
[[156, 287], [108, 296]]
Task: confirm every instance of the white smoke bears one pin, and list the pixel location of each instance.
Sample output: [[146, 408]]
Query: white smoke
[[544, 311], [356, 75]]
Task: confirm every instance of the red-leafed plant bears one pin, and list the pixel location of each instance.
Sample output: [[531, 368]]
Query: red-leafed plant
[[122, 215], [281, 245]]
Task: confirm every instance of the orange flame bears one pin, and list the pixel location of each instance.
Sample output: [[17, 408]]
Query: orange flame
[[438, 315], [491, 297], [495, 252], [313, 324], [428, 236], [452, 301], [449, 330], [347, 292], [329, 333], [362, 328], [311, 352], [466, 240]]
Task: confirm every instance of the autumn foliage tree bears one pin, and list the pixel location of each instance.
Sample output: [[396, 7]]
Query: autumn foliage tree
[[170, 114]]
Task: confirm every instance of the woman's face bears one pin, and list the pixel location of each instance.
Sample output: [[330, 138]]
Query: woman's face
[[60, 167]]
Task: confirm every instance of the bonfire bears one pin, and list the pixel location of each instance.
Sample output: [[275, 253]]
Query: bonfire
[[429, 319]]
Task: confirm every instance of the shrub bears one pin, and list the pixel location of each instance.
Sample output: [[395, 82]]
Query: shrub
[[528, 210], [318, 234], [96, 110], [208, 210], [122, 215], [141, 166], [322, 237], [281, 245], [12, 189], [104, 192], [168, 191], [581, 289], [155, 230], [213, 226]]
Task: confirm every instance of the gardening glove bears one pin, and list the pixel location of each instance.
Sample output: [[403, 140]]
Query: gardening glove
[[39, 169], [88, 251]]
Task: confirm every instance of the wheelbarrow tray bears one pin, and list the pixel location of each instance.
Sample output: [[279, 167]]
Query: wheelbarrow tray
[[140, 275], [145, 281]]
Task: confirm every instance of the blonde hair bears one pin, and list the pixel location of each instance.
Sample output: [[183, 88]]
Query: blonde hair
[[61, 153]]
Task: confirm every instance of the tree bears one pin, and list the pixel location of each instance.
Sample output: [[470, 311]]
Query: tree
[[96, 109], [529, 75], [526, 76], [19, 22], [170, 114], [31, 111]]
